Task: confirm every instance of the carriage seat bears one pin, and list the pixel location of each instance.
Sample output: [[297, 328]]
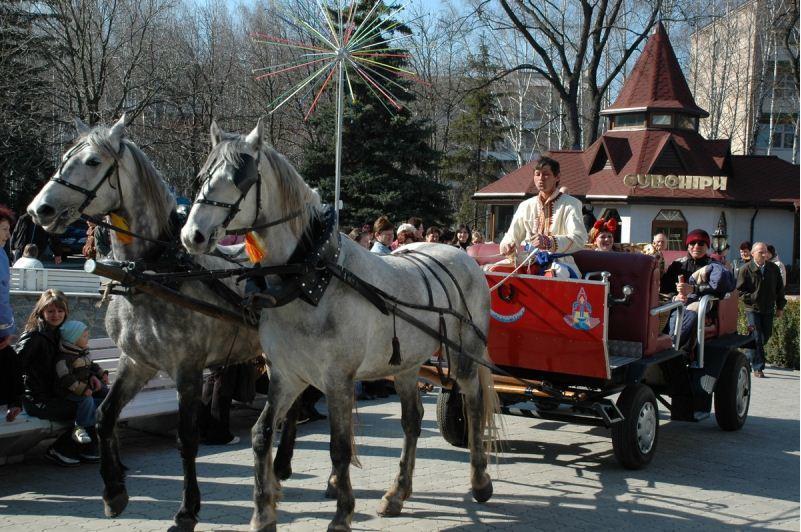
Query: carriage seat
[[631, 324], [489, 253]]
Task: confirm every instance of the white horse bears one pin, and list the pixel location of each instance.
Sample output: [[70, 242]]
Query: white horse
[[344, 337], [107, 173]]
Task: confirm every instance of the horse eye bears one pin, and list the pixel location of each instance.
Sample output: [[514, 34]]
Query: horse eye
[[92, 162]]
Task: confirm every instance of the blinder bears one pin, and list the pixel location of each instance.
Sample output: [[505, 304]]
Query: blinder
[[247, 174]]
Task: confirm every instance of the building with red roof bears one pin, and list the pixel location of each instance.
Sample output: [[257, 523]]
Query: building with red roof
[[654, 172]]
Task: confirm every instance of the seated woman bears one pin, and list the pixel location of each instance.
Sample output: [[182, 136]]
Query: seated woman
[[38, 349], [602, 234]]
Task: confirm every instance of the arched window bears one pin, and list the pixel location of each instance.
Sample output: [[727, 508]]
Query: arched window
[[674, 225]]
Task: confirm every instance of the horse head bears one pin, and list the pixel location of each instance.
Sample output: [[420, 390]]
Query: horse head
[[230, 189], [85, 181]]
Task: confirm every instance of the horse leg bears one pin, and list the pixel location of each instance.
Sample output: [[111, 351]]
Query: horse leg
[[472, 388], [340, 405], [283, 455], [130, 379], [267, 490], [190, 383], [411, 417]]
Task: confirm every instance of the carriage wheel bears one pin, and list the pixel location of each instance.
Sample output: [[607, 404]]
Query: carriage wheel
[[451, 417], [634, 438], [733, 392]]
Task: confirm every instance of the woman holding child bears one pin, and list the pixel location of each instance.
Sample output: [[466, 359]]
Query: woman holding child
[[39, 349]]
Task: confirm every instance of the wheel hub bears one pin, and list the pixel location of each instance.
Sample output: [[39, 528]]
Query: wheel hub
[[743, 392], [646, 427]]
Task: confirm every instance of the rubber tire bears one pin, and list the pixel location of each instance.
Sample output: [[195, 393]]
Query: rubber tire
[[726, 392], [624, 433], [451, 418]]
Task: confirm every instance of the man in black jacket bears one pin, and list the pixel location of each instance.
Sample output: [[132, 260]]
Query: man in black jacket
[[762, 290], [675, 283]]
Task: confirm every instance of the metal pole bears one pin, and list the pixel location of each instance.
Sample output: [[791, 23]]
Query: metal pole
[[338, 140]]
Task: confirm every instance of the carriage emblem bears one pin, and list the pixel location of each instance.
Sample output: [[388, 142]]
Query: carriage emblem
[[580, 316]]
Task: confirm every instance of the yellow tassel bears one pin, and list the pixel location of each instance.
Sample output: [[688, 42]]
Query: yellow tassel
[[122, 223], [255, 247]]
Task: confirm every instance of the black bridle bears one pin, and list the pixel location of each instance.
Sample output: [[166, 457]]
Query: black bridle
[[89, 194], [245, 176]]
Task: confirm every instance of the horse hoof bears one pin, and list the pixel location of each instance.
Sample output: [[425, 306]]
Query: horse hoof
[[188, 526], [338, 527], [115, 505], [283, 473], [331, 492], [483, 494], [390, 507]]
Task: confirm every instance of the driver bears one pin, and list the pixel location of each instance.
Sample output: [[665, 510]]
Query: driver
[[551, 220]]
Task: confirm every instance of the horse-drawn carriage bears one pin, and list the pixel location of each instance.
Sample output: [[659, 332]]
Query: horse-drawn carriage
[[564, 346]]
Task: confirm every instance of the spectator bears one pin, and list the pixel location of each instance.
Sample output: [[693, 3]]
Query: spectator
[[225, 384], [675, 283], [433, 234], [360, 237], [462, 239], [383, 231], [98, 243], [407, 234], [27, 232], [79, 379], [11, 387], [761, 290], [477, 238], [419, 230], [29, 258], [745, 256], [602, 234], [774, 258], [659, 244], [38, 350]]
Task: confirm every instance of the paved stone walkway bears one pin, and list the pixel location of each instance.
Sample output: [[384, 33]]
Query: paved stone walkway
[[551, 477]]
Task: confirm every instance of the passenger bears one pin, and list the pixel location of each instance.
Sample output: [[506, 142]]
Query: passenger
[[383, 231], [659, 245], [676, 284], [11, 388], [462, 238], [38, 350], [80, 380], [550, 221], [602, 234], [433, 234], [477, 238], [29, 258]]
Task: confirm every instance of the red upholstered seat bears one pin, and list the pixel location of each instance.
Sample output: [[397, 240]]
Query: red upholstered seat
[[633, 322]]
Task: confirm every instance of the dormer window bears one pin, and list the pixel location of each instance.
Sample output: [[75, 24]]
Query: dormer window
[[661, 119], [687, 122], [629, 120]]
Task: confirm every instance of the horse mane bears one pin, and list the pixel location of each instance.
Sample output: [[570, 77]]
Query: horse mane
[[294, 192], [153, 189]]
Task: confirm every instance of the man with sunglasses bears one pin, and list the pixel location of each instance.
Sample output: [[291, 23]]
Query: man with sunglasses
[[675, 283]]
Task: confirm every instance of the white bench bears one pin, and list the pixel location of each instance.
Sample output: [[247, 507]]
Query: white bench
[[40, 279], [157, 398]]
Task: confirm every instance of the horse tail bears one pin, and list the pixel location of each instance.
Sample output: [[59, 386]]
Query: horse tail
[[491, 421]]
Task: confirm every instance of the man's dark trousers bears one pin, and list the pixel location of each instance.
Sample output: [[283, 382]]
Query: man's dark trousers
[[761, 324]]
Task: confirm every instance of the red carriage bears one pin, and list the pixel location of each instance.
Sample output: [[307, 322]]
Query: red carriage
[[566, 346]]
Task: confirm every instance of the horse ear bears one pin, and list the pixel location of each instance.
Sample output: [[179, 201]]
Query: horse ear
[[216, 133], [254, 138], [82, 128], [118, 131]]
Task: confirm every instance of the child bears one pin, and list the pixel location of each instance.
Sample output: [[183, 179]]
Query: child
[[80, 379]]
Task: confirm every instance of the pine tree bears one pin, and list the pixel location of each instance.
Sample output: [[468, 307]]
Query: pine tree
[[387, 164], [24, 121], [475, 133]]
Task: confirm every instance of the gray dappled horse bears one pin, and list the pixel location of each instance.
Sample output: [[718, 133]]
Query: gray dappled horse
[[152, 335], [344, 337]]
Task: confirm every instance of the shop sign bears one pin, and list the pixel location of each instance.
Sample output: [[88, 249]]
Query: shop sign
[[686, 182]]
